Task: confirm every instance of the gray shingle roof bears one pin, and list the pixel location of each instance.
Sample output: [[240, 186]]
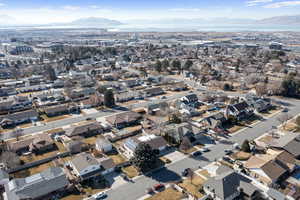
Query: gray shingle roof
[[37, 185]]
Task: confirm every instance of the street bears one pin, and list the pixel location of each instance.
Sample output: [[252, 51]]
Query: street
[[173, 171]]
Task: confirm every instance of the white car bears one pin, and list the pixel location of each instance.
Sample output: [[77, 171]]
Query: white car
[[100, 195]]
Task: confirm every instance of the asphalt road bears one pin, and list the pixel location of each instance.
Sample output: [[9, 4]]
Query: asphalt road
[[137, 189], [67, 121]]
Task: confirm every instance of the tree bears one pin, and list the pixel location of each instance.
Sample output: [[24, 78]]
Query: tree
[[190, 174], [185, 144], [109, 99], [283, 118], [158, 66], [246, 146], [298, 121], [227, 87], [188, 64], [176, 64], [17, 133], [174, 119], [290, 87], [165, 64], [10, 159], [145, 158]]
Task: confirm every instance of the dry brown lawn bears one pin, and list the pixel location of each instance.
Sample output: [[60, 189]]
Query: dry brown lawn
[[118, 159], [130, 171], [241, 155], [193, 186]]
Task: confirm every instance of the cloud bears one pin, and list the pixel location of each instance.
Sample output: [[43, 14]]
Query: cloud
[[71, 7], [2, 4], [257, 2], [94, 7], [283, 4]]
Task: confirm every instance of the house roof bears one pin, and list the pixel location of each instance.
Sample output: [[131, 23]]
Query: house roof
[[37, 185], [83, 160], [107, 163], [83, 128], [228, 183], [56, 109], [293, 147], [125, 117], [20, 115], [103, 142], [273, 169], [241, 106]]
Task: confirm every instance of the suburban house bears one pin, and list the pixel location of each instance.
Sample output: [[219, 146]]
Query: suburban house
[[39, 143], [14, 103], [153, 92], [86, 166], [259, 104], [190, 99], [156, 142], [230, 185], [272, 167], [214, 121], [239, 111], [85, 129], [103, 145], [18, 118], [180, 86], [131, 83], [124, 119], [39, 186], [155, 108], [176, 132], [127, 96], [92, 101], [56, 110]]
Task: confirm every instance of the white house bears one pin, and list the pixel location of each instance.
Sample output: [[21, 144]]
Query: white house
[[103, 145]]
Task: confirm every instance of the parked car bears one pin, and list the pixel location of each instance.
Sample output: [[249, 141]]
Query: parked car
[[197, 153], [228, 159], [205, 149], [236, 146], [163, 97], [159, 187], [100, 195], [150, 191], [228, 151], [185, 172], [285, 110]]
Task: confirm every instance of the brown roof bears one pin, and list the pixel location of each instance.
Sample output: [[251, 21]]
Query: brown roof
[[273, 169], [84, 128], [125, 117], [157, 142], [107, 163], [56, 109]]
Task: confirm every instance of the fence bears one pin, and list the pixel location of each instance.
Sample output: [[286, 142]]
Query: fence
[[38, 162]]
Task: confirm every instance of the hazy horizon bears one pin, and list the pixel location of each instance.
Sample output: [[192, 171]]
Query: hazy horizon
[[54, 11]]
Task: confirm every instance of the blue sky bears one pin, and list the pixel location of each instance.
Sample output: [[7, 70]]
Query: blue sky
[[45, 11]]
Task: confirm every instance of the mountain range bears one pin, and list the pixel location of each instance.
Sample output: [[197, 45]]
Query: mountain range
[[96, 22]]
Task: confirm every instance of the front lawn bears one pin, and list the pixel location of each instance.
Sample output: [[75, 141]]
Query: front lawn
[[130, 171], [193, 186]]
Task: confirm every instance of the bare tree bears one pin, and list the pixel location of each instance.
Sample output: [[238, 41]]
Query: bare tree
[[185, 144], [17, 133], [190, 174], [10, 159], [283, 118]]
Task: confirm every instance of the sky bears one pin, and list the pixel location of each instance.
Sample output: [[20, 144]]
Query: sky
[[49, 11]]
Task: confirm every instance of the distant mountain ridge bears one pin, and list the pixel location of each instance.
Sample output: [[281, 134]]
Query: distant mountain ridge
[[281, 20], [95, 21]]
